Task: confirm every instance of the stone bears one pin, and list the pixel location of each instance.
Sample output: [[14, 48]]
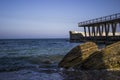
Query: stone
[[87, 56], [78, 55], [107, 58]]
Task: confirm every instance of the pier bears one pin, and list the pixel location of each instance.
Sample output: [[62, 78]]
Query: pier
[[103, 29]]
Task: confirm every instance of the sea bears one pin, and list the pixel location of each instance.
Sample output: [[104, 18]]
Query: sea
[[37, 59]]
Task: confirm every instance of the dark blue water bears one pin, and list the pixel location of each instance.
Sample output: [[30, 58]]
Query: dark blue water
[[37, 59]]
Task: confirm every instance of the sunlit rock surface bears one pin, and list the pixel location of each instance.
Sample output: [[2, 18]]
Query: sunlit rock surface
[[107, 58], [78, 55], [87, 56]]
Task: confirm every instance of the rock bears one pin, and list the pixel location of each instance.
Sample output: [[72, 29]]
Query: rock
[[78, 55], [107, 58], [87, 56]]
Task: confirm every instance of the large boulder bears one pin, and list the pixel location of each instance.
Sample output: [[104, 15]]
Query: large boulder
[[107, 58], [87, 56], [78, 55]]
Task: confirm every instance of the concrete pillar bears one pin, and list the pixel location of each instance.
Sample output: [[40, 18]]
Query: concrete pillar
[[102, 29], [113, 28], [100, 33], [85, 31], [89, 31], [106, 30], [94, 31], [106, 33], [97, 30]]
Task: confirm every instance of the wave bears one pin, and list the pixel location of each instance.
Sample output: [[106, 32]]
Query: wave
[[27, 62]]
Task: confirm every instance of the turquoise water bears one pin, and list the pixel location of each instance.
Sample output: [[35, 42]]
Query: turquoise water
[[37, 59]]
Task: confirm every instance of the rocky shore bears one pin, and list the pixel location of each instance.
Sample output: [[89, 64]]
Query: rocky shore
[[88, 57]]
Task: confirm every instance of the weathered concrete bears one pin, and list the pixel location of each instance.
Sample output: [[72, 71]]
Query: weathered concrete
[[98, 30], [76, 36]]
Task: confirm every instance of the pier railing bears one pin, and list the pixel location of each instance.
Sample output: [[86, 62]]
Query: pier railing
[[101, 19]]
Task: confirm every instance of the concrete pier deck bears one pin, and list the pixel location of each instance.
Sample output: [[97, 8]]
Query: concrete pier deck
[[103, 29]]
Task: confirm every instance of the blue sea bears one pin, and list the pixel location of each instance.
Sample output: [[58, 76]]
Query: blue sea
[[37, 59]]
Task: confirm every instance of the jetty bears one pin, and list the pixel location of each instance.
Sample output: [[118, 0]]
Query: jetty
[[103, 29]]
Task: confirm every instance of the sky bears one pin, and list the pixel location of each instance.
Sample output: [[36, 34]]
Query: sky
[[49, 18]]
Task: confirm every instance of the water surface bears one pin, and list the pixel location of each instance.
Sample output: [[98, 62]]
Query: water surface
[[37, 59]]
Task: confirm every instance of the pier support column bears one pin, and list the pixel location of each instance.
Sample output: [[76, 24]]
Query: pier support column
[[113, 28], [106, 30], [89, 31], [94, 31], [85, 31], [102, 29], [106, 35], [97, 30], [100, 33]]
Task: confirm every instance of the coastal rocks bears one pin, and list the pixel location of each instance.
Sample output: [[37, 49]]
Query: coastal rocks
[[78, 55], [87, 56], [107, 58]]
